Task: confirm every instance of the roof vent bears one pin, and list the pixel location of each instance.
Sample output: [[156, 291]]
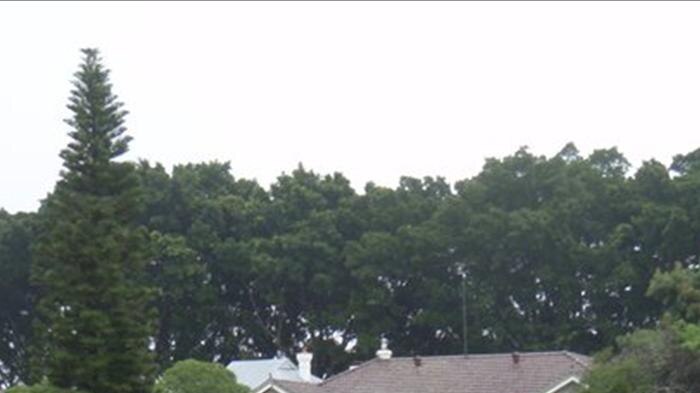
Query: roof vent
[[516, 357], [384, 352], [417, 360]]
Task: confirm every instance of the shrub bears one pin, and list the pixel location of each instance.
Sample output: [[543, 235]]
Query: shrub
[[194, 376], [43, 387]]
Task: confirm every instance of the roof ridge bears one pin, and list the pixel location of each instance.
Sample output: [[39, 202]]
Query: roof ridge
[[282, 359], [349, 370], [494, 354], [575, 357], [570, 355]]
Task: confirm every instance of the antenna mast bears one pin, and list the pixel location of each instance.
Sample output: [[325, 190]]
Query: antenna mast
[[465, 347]]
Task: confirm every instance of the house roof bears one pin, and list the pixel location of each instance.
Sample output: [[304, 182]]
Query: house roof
[[253, 373], [535, 372], [292, 387]]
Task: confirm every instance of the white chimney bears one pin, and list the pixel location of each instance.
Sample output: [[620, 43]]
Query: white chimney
[[304, 360], [384, 352]]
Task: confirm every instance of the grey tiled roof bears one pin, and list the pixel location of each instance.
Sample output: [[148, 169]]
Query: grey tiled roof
[[535, 372], [298, 387]]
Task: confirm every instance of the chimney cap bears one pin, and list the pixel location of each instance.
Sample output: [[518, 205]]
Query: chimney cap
[[304, 359], [304, 355], [384, 352]]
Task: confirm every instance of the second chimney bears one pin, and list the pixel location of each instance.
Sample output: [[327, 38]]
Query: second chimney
[[304, 360]]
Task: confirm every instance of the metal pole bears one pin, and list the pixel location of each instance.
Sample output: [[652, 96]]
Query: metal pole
[[465, 347]]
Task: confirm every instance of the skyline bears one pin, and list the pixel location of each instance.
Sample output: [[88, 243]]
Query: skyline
[[372, 90]]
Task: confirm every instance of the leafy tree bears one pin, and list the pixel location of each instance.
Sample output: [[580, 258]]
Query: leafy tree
[[632, 372], [650, 361], [184, 301], [16, 238], [201, 219], [401, 283], [679, 291], [295, 283], [43, 387], [194, 376], [93, 323], [685, 163], [532, 234], [557, 253], [665, 359]]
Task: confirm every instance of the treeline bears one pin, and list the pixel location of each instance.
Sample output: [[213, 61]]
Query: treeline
[[556, 253]]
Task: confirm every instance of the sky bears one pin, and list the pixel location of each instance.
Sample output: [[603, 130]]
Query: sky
[[374, 90]]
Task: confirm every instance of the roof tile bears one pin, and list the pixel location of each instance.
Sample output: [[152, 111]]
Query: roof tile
[[535, 372]]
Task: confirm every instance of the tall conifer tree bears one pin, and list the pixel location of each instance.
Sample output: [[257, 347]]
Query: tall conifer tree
[[94, 318]]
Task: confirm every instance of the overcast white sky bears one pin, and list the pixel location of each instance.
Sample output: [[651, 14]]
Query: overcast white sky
[[373, 90]]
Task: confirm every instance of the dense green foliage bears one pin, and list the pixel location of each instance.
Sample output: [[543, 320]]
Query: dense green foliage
[[42, 387], [194, 376], [664, 359], [93, 324], [557, 253], [16, 238]]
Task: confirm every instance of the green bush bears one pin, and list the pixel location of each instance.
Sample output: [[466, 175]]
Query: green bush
[[43, 387], [193, 376]]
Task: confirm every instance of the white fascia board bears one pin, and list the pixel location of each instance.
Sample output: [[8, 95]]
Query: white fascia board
[[267, 386], [562, 385]]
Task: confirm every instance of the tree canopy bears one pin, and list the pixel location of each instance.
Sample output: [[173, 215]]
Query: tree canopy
[[553, 252], [557, 252]]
